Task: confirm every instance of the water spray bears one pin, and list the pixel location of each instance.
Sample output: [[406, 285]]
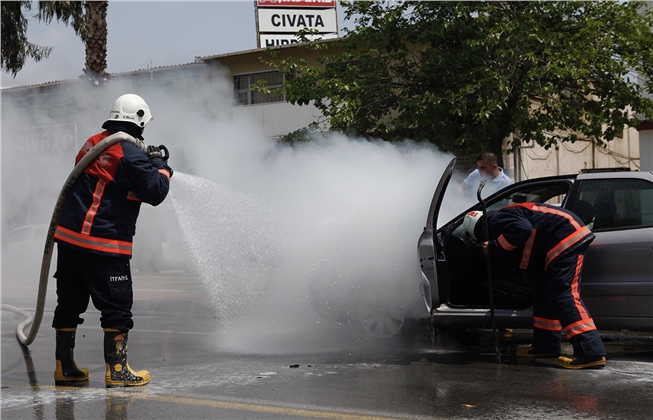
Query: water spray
[[49, 240]]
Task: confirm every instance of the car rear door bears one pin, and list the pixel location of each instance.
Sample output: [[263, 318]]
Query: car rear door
[[427, 249], [617, 283]]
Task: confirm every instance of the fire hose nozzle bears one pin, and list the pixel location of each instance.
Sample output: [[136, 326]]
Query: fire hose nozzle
[[165, 154]]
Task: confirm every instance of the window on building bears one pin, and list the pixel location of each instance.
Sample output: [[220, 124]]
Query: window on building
[[273, 80]]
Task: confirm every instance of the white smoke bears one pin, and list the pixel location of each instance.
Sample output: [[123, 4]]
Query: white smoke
[[324, 231], [295, 247]]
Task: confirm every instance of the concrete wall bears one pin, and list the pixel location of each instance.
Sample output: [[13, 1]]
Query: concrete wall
[[646, 149], [533, 161], [279, 118]]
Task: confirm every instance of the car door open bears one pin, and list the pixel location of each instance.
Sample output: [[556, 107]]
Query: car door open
[[427, 250]]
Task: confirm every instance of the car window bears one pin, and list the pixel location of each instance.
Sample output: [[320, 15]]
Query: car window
[[549, 193], [617, 203]]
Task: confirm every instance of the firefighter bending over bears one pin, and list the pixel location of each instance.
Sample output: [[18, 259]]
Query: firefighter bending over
[[552, 243]]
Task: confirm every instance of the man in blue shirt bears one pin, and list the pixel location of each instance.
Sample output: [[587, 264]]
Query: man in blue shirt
[[486, 169]]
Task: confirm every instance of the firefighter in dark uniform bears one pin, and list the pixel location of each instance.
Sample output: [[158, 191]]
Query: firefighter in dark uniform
[[94, 237], [551, 243]]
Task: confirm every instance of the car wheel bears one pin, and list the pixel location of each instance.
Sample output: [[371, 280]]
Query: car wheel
[[148, 262], [381, 318]]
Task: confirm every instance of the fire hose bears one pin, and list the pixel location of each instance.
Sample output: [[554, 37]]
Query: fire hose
[[90, 156], [488, 267]]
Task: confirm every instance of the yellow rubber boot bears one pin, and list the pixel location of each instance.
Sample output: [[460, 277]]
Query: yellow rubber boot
[[66, 371], [118, 372], [586, 362]]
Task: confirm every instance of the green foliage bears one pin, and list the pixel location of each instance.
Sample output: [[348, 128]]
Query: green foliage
[[69, 12], [465, 75], [16, 49], [303, 135]]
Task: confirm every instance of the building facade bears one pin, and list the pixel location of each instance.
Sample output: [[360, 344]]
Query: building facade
[[43, 125]]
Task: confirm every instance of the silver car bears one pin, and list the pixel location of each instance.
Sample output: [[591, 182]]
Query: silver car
[[617, 279]]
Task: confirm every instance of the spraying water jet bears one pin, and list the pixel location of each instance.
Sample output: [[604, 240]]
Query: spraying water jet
[[233, 241]]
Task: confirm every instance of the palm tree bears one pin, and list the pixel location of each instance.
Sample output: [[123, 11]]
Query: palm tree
[[95, 24], [88, 19]]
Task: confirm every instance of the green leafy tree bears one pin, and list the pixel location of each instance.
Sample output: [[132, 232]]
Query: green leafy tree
[[87, 18], [16, 49], [466, 75]]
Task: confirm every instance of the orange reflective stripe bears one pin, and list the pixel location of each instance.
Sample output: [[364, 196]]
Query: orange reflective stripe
[[165, 172], [94, 243], [528, 249], [546, 324], [92, 210], [575, 289], [557, 212], [567, 242], [582, 326], [505, 244], [132, 196]]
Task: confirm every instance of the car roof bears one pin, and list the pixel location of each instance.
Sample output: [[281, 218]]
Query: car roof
[[549, 178], [617, 174], [596, 174], [35, 227]]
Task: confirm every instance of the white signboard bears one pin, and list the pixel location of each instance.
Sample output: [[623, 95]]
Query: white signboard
[[297, 3], [275, 40], [294, 20], [49, 140]]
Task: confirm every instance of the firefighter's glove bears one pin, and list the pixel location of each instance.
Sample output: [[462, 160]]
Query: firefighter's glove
[[153, 153]]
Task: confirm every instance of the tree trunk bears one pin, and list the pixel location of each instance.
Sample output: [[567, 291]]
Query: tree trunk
[[495, 144], [96, 40]]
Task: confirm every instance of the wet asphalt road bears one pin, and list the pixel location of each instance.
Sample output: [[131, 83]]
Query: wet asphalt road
[[195, 376]]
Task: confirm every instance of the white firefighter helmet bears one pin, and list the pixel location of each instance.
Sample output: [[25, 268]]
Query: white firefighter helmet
[[131, 108], [469, 224]]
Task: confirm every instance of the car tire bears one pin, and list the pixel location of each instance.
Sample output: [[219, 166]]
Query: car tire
[[381, 318]]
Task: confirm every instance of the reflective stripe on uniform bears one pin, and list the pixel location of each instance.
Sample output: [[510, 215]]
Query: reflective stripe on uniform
[[579, 234], [546, 324], [92, 210], [575, 288], [503, 242], [93, 243], [132, 196], [550, 210], [528, 248], [579, 327], [567, 242]]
